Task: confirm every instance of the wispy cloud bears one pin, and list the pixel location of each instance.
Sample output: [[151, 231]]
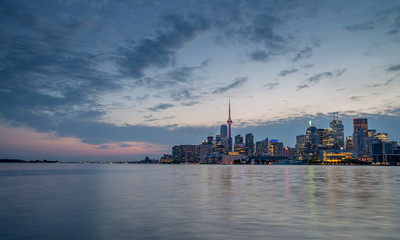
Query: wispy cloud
[[314, 80], [304, 53], [394, 68], [161, 106], [381, 84], [356, 98], [271, 86], [317, 78], [190, 103], [287, 72], [184, 94], [235, 84], [142, 98]]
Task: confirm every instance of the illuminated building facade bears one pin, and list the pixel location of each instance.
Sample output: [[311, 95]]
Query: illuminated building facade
[[262, 147], [360, 138], [337, 129], [349, 143], [301, 143], [312, 138], [185, 153], [275, 148], [249, 144], [382, 137]]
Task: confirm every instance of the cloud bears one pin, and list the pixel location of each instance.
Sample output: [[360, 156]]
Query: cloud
[[161, 106], [394, 68], [190, 103], [302, 54], [338, 73], [259, 56], [142, 98], [235, 84], [159, 51], [314, 80], [271, 86], [382, 84], [302, 86], [177, 76], [356, 98], [284, 73], [317, 78], [370, 25], [185, 94]]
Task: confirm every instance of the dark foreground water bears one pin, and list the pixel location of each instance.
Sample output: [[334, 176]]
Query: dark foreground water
[[93, 201]]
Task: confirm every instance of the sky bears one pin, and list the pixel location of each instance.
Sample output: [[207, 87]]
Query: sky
[[100, 80]]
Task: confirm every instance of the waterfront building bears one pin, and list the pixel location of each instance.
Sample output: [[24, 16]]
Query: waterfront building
[[335, 155], [360, 123], [327, 139], [262, 147], [380, 152], [238, 139], [337, 128], [301, 143], [185, 153], [206, 148], [382, 137], [289, 152], [360, 138], [275, 148], [249, 144], [349, 143], [312, 138], [166, 159], [223, 131], [240, 148]]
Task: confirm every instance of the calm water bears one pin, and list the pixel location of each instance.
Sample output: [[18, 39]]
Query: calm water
[[93, 201]]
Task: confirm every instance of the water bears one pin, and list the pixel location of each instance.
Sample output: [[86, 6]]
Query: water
[[94, 201]]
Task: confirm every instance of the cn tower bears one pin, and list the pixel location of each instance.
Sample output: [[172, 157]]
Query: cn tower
[[229, 122]]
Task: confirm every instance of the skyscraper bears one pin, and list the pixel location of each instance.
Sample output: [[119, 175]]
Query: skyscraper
[[312, 138], [238, 139], [360, 138], [275, 148], [262, 147], [249, 144], [337, 132], [360, 123], [223, 131]]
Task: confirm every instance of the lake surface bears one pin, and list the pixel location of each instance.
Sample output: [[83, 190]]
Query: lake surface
[[95, 201]]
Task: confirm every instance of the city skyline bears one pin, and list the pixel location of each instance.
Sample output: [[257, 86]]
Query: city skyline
[[101, 80]]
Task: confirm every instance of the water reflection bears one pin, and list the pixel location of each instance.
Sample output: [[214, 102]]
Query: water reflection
[[199, 202]]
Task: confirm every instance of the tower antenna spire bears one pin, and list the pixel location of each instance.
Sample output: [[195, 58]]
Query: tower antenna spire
[[229, 108]]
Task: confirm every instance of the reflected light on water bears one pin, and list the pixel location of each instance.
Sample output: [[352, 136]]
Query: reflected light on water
[[67, 201]]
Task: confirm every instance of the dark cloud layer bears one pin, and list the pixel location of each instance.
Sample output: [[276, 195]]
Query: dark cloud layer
[[160, 50], [259, 56]]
